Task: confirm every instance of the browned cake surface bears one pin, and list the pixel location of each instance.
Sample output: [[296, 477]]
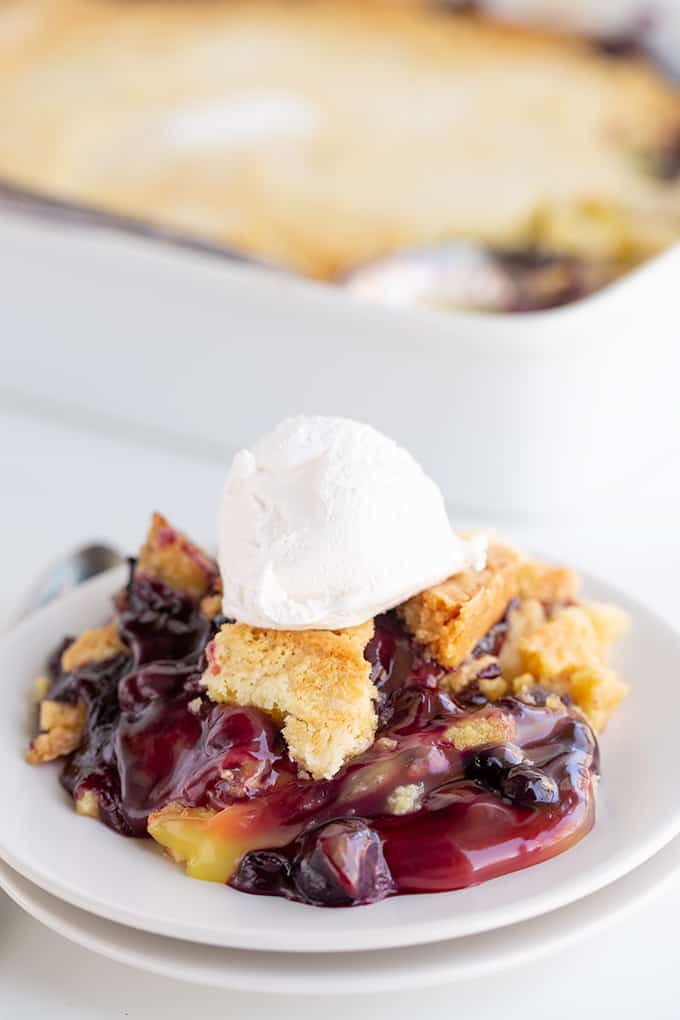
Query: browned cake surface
[[559, 650], [551, 645], [324, 133], [450, 618], [546, 582], [96, 645], [315, 682], [61, 730], [567, 655], [169, 556], [490, 726]]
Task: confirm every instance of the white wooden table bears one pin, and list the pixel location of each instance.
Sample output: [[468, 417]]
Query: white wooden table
[[68, 477]]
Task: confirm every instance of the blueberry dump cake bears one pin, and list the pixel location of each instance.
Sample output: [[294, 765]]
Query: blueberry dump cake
[[449, 738]]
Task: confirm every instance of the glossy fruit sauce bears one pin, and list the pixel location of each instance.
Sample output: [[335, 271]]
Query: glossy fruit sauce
[[154, 739]]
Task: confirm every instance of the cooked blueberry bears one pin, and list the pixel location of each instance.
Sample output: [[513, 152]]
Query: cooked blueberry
[[529, 787], [158, 623], [494, 639], [490, 672], [412, 709], [471, 696], [490, 764], [132, 567], [160, 680], [342, 864], [512, 706], [575, 735], [535, 695], [220, 620], [54, 670], [579, 734], [264, 872]]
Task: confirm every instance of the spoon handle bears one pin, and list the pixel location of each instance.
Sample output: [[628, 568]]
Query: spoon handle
[[66, 573]]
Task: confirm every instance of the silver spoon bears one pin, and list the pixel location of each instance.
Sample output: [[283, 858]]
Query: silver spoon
[[66, 573], [469, 276]]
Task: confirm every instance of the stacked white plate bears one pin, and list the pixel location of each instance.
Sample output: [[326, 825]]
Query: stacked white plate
[[122, 898]]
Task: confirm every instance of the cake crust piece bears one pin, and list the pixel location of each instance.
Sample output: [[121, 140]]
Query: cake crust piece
[[567, 655], [523, 162], [95, 645], [546, 582], [489, 726], [169, 556], [62, 728], [450, 618], [315, 683]]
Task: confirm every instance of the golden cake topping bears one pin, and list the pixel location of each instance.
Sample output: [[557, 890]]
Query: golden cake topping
[[316, 683]]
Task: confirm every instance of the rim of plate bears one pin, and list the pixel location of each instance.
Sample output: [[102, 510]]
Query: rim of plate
[[326, 974], [130, 883]]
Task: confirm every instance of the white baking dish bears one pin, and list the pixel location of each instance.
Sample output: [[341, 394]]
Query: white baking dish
[[523, 413]]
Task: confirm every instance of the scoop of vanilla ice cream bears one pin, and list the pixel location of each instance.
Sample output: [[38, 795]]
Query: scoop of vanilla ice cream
[[326, 522]]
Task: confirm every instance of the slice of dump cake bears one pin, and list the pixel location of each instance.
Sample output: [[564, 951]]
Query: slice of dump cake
[[449, 739], [338, 767]]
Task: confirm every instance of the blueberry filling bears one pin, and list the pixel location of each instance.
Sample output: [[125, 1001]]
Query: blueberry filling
[[411, 814], [265, 872], [529, 786], [342, 864], [490, 765]]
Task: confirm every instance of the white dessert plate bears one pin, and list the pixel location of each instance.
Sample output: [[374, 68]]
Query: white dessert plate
[[327, 974], [130, 882]]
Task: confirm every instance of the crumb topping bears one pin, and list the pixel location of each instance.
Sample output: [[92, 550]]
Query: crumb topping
[[550, 645], [484, 727], [62, 728], [546, 582], [406, 799], [87, 804], [41, 685], [211, 605], [609, 622], [316, 684], [169, 556], [96, 645], [468, 671], [598, 691], [493, 689], [560, 645], [450, 618], [523, 619]]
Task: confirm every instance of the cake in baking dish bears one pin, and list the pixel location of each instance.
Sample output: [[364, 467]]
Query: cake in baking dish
[[323, 134]]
